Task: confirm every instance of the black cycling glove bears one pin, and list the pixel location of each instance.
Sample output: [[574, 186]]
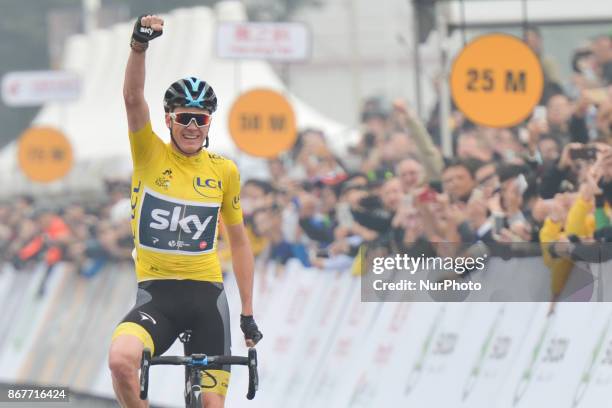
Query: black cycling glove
[[144, 34], [250, 329]]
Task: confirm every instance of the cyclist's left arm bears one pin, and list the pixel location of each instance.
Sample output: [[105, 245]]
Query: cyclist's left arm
[[243, 263], [242, 255]]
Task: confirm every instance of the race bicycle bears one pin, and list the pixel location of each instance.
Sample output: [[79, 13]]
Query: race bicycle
[[196, 366]]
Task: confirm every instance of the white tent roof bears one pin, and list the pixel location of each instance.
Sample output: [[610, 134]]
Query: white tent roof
[[96, 124]]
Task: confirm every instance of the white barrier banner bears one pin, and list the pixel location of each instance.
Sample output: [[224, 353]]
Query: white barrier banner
[[500, 341], [553, 356], [291, 315], [323, 347], [353, 333], [331, 300], [596, 377], [386, 359], [439, 357]]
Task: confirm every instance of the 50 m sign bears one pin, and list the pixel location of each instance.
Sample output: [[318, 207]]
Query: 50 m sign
[[262, 123]]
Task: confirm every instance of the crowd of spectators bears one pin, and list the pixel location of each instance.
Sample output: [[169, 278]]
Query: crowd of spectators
[[546, 180], [83, 237]]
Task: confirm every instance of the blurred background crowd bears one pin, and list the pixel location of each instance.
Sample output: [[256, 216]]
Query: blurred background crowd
[[548, 179], [85, 236]]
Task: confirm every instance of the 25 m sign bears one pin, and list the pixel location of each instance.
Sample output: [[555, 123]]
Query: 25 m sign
[[497, 80], [484, 81]]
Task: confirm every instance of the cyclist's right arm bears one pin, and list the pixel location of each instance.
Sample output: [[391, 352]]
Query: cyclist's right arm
[[133, 91], [144, 144], [133, 85]]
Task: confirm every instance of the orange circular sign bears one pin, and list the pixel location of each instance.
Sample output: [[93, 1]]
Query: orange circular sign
[[44, 154], [497, 80], [262, 123]]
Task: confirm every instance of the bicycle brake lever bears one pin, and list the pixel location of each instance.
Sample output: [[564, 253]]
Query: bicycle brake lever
[[145, 364], [253, 375]]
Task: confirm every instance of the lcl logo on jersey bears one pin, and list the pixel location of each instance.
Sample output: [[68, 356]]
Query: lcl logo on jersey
[[170, 225], [208, 187], [236, 202]]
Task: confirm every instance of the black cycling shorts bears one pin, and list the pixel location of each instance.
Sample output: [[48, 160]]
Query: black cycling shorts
[[166, 308]]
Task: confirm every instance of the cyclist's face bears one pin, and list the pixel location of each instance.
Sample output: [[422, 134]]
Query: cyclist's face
[[191, 137]]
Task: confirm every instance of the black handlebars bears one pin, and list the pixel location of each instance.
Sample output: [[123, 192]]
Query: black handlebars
[[253, 376], [199, 361], [145, 364]]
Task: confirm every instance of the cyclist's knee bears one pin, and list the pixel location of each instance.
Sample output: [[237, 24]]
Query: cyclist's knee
[[213, 400], [124, 357]]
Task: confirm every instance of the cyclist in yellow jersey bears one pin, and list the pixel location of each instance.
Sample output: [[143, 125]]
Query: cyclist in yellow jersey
[[180, 192]]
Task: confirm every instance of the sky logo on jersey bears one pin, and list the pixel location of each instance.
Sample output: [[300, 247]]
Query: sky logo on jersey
[[171, 225], [208, 187]]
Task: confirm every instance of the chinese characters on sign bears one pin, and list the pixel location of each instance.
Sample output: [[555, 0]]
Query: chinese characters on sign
[[32, 88], [270, 41]]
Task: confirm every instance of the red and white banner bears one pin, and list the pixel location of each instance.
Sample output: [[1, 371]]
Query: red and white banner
[[31, 88], [269, 41]]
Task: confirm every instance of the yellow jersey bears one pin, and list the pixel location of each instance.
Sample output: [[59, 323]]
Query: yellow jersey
[[176, 203]]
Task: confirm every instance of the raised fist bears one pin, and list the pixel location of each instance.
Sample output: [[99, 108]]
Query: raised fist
[[147, 28]]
